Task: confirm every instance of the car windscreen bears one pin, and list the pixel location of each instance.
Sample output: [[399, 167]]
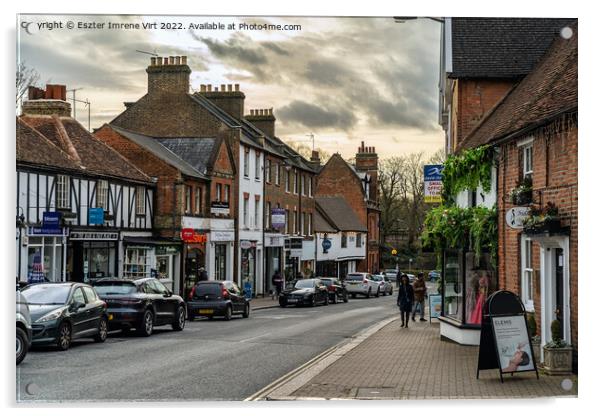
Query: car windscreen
[[391, 271], [304, 284], [46, 294], [114, 288], [205, 289], [355, 277], [376, 277]]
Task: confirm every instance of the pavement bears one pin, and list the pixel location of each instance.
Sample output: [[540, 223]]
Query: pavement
[[208, 360], [264, 303], [387, 362]]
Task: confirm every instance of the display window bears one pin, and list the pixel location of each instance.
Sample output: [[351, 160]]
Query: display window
[[44, 259], [137, 262]]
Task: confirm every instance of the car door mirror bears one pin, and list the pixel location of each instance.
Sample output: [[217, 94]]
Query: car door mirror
[[167, 294]]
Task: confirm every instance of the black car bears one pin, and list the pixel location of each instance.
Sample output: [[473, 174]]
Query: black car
[[304, 292], [62, 312], [217, 298], [336, 289], [141, 304]]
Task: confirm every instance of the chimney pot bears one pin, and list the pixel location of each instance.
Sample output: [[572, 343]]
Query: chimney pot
[[271, 111], [184, 60], [209, 87], [229, 87], [223, 86], [203, 87], [172, 60], [216, 89], [153, 61], [178, 60], [236, 87], [166, 61]]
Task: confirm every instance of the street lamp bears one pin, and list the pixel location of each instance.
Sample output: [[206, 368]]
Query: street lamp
[[410, 264]]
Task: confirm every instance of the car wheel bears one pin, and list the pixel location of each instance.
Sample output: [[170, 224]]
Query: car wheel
[[369, 293], [146, 326], [335, 299], [346, 298], [378, 292], [282, 304], [21, 345], [103, 330], [247, 311], [180, 321], [228, 314], [391, 292], [353, 295], [326, 300], [63, 341]]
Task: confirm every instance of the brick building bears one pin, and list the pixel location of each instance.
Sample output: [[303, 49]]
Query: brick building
[[358, 185], [194, 187], [534, 128]]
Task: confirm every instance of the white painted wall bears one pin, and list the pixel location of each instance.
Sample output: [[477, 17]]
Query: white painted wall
[[484, 199]]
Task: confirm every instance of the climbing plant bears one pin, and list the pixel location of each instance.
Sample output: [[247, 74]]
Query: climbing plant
[[467, 171]]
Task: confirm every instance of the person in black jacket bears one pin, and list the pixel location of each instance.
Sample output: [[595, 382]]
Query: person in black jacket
[[405, 299]]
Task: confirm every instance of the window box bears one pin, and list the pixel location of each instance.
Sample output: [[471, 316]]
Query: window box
[[549, 226]]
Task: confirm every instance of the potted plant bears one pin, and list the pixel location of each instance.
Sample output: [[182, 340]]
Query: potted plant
[[535, 339], [545, 220], [557, 354], [522, 194]]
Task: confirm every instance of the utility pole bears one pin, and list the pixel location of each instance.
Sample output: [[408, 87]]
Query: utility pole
[[313, 144], [74, 101]]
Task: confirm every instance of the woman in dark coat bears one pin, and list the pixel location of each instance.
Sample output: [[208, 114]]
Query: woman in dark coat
[[405, 299]]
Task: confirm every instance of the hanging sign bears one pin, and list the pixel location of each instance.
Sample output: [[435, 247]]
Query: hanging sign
[[433, 184], [245, 244], [326, 244], [505, 343], [516, 216], [278, 218], [96, 216], [220, 208]]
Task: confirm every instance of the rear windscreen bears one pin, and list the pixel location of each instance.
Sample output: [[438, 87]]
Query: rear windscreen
[[210, 289], [355, 277], [114, 288]]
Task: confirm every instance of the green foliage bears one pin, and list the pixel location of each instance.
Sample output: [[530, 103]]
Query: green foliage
[[556, 328], [456, 227], [532, 324], [467, 170]]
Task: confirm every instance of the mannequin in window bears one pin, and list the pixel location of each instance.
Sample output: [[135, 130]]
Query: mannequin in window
[[476, 314]]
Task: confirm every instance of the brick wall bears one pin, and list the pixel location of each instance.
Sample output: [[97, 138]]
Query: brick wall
[[554, 179]]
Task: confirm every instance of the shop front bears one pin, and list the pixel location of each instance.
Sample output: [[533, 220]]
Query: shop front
[[248, 265], [92, 255], [308, 257], [194, 253], [466, 281], [293, 250], [274, 249], [42, 255], [167, 266], [220, 249]]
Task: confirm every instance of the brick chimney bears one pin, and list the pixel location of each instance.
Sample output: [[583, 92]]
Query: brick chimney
[[228, 97], [168, 75], [51, 101], [366, 160], [315, 159], [263, 119]]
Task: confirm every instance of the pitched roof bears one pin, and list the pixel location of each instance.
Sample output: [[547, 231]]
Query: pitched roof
[[95, 157], [548, 91], [33, 148], [321, 224], [196, 151], [500, 47], [163, 152], [339, 213]]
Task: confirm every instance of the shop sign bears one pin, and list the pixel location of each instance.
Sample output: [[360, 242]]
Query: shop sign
[[274, 241], [51, 222], [295, 245], [96, 216], [222, 236], [220, 208], [326, 245], [166, 250], [246, 244], [434, 306], [34, 231], [516, 216], [86, 235], [190, 236], [278, 218], [433, 183]]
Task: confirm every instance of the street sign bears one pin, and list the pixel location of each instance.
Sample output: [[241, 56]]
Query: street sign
[[433, 183], [516, 216]]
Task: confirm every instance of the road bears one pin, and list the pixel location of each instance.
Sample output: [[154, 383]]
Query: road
[[209, 360]]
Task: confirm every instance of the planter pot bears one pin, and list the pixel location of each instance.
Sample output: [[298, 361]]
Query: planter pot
[[523, 198], [558, 361], [536, 352], [546, 227]]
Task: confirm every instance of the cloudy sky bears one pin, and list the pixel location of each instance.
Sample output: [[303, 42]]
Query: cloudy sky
[[342, 79]]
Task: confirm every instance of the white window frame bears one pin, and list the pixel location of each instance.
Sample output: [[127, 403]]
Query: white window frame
[[257, 166], [302, 226], [226, 193], [102, 194], [277, 174], [188, 199], [245, 212], [268, 170], [287, 184], [527, 150], [218, 192], [268, 211], [140, 200], [295, 182], [527, 273], [295, 219], [62, 198], [309, 223], [257, 218], [197, 200], [246, 162], [302, 184], [310, 191]]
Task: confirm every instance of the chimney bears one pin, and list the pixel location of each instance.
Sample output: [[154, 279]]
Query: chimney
[[314, 161], [51, 101], [229, 99], [168, 75], [263, 119], [366, 160]]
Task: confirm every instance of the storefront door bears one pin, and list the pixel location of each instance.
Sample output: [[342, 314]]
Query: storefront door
[[91, 260], [220, 261]]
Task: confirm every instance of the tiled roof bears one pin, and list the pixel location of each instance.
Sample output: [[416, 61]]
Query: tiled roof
[[155, 147], [339, 213], [33, 148], [321, 224], [196, 151], [95, 157], [548, 91], [500, 47]]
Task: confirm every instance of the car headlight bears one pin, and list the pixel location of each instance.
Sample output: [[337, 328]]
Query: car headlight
[[51, 315]]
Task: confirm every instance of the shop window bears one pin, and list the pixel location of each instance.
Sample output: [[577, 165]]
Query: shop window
[[358, 240], [188, 200], [527, 272], [140, 205], [164, 271], [102, 194], [220, 261], [257, 165], [63, 201], [344, 240], [479, 284], [453, 285], [44, 259], [136, 262], [197, 200]]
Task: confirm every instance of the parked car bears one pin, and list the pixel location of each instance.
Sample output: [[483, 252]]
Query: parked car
[[217, 298], [23, 327], [62, 312], [434, 275], [386, 287], [391, 274], [336, 289], [411, 277], [362, 284], [304, 292], [141, 304]]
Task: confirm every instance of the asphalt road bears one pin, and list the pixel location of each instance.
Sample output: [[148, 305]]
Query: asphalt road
[[209, 360]]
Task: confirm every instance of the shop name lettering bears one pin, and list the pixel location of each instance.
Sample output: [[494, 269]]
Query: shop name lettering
[[93, 236], [503, 322]]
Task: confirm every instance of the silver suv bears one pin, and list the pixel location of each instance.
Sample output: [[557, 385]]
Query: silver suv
[[362, 284], [23, 327]]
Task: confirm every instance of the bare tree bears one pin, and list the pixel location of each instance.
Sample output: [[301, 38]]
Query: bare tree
[[26, 77]]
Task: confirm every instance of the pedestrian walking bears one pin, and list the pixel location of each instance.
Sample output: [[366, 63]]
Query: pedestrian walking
[[419, 287], [203, 276], [277, 282], [398, 278], [405, 299]]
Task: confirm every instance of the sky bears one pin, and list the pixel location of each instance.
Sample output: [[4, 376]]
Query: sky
[[344, 80]]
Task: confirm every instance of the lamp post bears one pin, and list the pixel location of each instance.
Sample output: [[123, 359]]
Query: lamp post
[[410, 260]]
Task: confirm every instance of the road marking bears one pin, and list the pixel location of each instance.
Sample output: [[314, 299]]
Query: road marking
[[256, 337]]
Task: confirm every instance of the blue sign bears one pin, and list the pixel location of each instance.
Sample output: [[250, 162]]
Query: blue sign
[[96, 216], [433, 172], [51, 223], [248, 289], [326, 244], [434, 306]]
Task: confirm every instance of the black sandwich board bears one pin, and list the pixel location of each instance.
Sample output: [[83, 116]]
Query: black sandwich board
[[505, 341]]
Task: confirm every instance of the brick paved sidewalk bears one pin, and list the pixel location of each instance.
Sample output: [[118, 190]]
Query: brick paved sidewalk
[[263, 303], [400, 363]]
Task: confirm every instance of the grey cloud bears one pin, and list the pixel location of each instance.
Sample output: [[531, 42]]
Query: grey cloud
[[311, 115]]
